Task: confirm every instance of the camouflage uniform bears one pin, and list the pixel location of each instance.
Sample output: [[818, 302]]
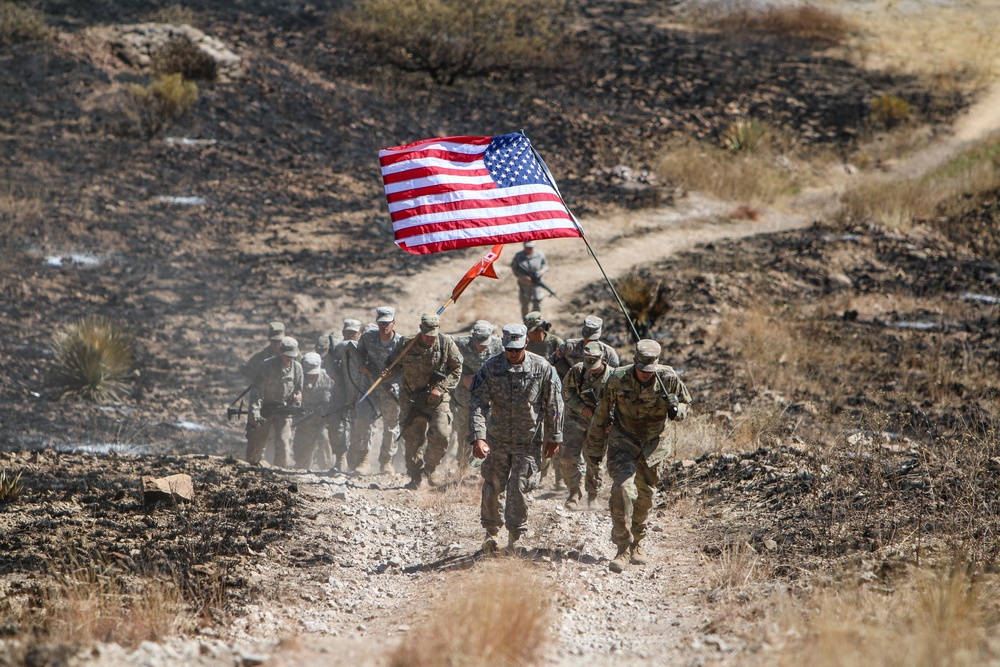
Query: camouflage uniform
[[275, 332], [344, 362], [311, 430], [581, 392], [274, 387], [525, 267], [549, 344], [381, 403], [426, 421], [637, 442], [515, 409], [472, 360], [570, 354]]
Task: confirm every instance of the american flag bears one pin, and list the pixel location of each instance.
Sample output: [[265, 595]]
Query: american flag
[[456, 192]]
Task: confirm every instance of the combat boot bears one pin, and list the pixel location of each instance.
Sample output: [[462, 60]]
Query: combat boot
[[432, 480], [573, 502], [338, 463], [413, 484], [490, 545], [591, 499], [636, 555], [387, 469], [363, 463], [512, 537], [621, 560]]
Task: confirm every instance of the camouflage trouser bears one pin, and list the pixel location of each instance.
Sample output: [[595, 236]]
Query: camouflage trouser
[[339, 426], [512, 469], [257, 439], [530, 297], [426, 438], [574, 469], [312, 436], [378, 403], [633, 483], [460, 424]]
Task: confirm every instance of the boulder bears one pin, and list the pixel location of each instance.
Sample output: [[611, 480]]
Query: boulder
[[172, 489]]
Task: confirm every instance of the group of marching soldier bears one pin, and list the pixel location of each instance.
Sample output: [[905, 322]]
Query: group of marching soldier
[[514, 403]]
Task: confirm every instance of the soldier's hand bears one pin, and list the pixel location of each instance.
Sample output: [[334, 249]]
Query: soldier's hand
[[297, 398], [681, 412], [434, 395], [480, 449], [550, 449], [384, 374]]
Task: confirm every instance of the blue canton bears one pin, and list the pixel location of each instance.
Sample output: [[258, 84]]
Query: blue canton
[[510, 162]]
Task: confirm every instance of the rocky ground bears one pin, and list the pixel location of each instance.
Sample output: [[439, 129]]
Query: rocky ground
[[311, 568]]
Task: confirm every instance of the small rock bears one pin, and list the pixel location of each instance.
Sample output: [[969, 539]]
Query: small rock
[[251, 659], [172, 489], [770, 545], [340, 495]]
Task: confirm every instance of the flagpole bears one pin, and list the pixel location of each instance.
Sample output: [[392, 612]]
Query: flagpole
[[579, 227]]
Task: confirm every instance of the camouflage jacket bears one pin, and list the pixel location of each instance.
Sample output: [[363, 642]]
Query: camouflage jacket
[[345, 362], [640, 412], [274, 386], [317, 394], [523, 265], [473, 360], [252, 365], [420, 363], [546, 347], [571, 353], [582, 390], [516, 405], [375, 355]]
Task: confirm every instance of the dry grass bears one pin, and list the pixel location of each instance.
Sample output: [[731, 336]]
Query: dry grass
[[804, 22], [11, 487], [176, 14], [18, 213], [736, 567], [498, 615], [698, 435], [931, 620], [951, 47], [19, 24], [754, 177], [162, 102], [945, 192], [181, 56]]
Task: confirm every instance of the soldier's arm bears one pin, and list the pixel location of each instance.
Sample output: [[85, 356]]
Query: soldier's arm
[[571, 392], [544, 265], [553, 405], [250, 366], [676, 387], [612, 358], [595, 442], [453, 366], [479, 407]]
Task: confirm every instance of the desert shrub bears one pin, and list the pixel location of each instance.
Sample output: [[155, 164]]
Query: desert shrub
[[11, 487], [180, 56], [19, 212], [453, 38], [805, 22], [177, 14], [497, 616], [92, 356], [645, 300], [162, 102], [888, 111], [20, 24], [744, 134]]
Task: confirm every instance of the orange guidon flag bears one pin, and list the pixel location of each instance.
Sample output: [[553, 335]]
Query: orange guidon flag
[[484, 267]]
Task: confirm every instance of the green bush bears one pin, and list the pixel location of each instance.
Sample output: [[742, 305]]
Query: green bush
[[163, 101], [182, 57], [453, 38], [888, 111], [21, 24], [92, 357]]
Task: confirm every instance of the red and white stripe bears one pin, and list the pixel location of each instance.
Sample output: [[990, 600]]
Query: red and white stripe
[[441, 197]]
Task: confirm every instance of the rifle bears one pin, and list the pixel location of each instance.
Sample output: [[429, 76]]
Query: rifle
[[340, 409], [537, 281], [266, 412], [236, 412], [417, 400]]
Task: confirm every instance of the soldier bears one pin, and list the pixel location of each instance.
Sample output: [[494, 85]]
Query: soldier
[[430, 370], [275, 332], [582, 389], [311, 430], [343, 364], [637, 443], [540, 341], [375, 347], [529, 266], [275, 397], [570, 353], [516, 407], [325, 343], [476, 348]]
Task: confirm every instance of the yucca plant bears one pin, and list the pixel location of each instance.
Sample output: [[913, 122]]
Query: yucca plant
[[10, 487], [92, 356], [745, 135], [645, 300]]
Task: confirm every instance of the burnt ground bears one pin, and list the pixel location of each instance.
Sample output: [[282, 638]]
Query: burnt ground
[[293, 217]]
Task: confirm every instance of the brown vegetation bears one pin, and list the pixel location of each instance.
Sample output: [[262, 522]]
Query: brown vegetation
[[806, 22], [19, 24], [182, 57], [162, 102]]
